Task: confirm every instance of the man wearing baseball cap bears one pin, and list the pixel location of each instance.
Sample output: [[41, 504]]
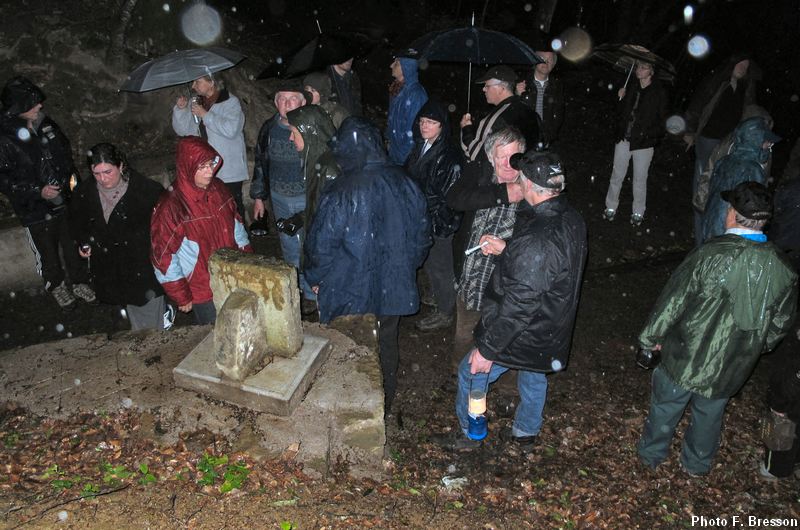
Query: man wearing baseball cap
[[731, 300], [529, 306], [499, 84]]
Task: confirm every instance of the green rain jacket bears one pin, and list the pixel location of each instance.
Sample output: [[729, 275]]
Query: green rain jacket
[[730, 300]]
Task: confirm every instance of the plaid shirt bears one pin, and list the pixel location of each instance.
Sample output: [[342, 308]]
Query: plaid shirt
[[498, 221]]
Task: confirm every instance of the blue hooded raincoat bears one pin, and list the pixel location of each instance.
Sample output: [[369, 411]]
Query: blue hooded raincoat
[[403, 109], [371, 231]]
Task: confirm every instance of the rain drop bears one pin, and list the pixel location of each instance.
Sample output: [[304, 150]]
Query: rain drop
[[676, 124], [201, 24], [12, 294], [24, 134], [165, 7], [62, 515], [69, 334], [795, 98], [556, 365], [59, 328], [123, 313], [698, 46], [452, 108], [76, 382], [688, 14], [610, 86], [528, 8], [127, 403], [556, 44]]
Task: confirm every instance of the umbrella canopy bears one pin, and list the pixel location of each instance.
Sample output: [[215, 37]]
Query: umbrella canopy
[[475, 46], [180, 67], [323, 50], [623, 58]]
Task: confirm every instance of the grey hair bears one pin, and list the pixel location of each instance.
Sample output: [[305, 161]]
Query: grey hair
[[507, 85], [555, 180], [746, 222], [505, 136]]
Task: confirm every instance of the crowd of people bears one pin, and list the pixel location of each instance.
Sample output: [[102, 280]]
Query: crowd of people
[[482, 213]]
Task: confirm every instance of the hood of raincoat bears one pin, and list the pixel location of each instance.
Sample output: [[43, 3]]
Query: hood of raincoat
[[410, 69], [321, 82], [20, 95], [316, 128], [749, 137], [358, 143], [192, 151]]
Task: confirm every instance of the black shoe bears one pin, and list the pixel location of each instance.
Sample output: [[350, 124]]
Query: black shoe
[[308, 307], [434, 321], [455, 441], [427, 300], [523, 443]]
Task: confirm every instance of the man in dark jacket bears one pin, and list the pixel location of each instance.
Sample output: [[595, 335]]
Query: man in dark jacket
[[499, 84], [530, 303], [36, 171], [730, 301], [435, 164], [715, 110], [544, 93], [369, 236]]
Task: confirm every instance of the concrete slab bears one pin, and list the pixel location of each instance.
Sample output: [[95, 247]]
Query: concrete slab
[[276, 389]]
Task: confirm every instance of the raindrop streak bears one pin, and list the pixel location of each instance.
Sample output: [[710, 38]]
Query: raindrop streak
[[688, 14]]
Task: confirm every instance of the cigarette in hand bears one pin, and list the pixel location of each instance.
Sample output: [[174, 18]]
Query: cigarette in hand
[[473, 249]]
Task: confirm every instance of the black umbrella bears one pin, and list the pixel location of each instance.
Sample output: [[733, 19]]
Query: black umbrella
[[180, 67], [623, 58], [474, 46], [323, 50]]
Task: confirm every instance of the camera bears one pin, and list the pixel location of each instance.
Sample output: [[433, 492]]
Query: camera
[[647, 358]]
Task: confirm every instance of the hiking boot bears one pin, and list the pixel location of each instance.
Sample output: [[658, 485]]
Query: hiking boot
[[169, 316], [609, 214], [63, 297], [455, 441], [85, 293], [308, 307], [435, 320], [523, 443], [636, 219]]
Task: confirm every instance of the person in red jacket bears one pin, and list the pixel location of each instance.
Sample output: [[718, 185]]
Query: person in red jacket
[[195, 218]]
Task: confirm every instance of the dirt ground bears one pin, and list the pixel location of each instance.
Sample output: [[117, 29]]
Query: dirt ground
[[583, 474]]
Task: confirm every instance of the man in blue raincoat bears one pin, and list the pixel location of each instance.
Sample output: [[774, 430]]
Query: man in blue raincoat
[[750, 152], [406, 98], [369, 236]]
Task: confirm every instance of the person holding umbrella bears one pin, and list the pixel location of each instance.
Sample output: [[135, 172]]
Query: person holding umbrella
[[639, 127], [216, 115]]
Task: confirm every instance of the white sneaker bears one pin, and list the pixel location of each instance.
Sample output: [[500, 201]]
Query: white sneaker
[[84, 292], [63, 297]]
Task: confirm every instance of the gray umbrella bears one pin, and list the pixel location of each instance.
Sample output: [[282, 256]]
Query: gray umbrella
[[179, 67]]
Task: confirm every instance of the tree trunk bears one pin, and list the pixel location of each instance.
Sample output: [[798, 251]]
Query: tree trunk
[[117, 47]]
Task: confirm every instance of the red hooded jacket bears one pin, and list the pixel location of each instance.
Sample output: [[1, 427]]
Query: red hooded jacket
[[190, 223]]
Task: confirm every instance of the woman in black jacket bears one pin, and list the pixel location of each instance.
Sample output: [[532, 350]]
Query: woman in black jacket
[[110, 221], [639, 127], [435, 164]]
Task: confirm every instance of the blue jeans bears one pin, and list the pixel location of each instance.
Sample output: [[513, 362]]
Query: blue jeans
[[532, 388], [668, 402], [285, 206]]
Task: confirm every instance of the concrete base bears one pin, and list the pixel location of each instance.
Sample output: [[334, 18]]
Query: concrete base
[[277, 389], [17, 262]]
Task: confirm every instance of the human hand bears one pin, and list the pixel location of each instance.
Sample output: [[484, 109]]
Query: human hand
[[85, 251], [689, 139], [315, 289], [181, 102], [185, 308], [521, 86], [621, 92], [198, 110], [50, 192], [493, 245], [514, 191], [258, 209], [466, 119], [478, 364]]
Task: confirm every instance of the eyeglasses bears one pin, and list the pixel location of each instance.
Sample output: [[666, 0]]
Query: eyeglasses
[[211, 164]]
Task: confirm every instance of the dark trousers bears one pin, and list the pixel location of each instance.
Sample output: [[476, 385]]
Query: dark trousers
[[49, 239], [388, 326], [781, 463], [204, 313], [439, 269], [236, 190]]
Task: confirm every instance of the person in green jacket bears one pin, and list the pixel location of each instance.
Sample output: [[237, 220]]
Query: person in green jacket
[[731, 300]]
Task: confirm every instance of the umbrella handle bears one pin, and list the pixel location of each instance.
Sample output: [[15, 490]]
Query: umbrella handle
[[625, 86]]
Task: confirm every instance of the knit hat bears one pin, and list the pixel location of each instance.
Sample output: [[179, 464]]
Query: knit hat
[[433, 110], [20, 95]]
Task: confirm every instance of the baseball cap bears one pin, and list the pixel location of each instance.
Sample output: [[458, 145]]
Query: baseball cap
[[538, 167], [500, 72], [750, 199]]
